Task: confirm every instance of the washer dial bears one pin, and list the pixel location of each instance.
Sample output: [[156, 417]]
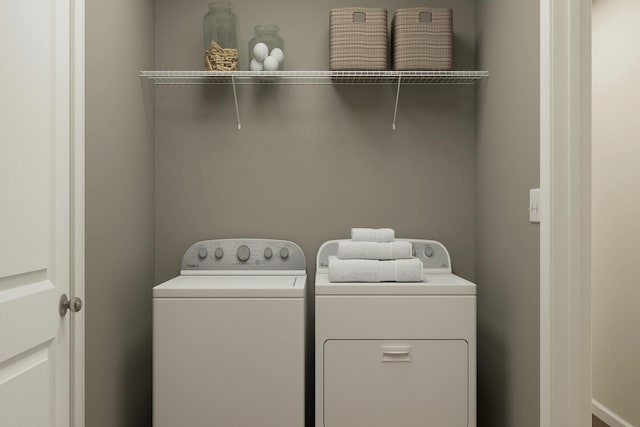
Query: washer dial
[[244, 253]]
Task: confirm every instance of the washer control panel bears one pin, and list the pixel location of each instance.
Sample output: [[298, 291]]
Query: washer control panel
[[244, 255]]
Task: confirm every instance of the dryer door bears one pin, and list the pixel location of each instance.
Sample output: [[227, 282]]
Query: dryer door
[[409, 383]]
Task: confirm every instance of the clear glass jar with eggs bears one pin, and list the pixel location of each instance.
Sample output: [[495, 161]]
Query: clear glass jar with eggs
[[266, 49]]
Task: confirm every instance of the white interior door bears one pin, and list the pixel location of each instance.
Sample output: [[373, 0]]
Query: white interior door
[[34, 212]]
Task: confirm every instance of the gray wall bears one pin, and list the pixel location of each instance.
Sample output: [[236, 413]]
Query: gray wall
[[507, 245], [119, 213], [615, 293], [310, 161]]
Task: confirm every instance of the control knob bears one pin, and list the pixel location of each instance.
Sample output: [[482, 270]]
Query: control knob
[[243, 253], [284, 253], [202, 252], [268, 253], [219, 253]]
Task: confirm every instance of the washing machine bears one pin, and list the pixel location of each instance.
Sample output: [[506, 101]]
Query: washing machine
[[229, 337], [396, 354]]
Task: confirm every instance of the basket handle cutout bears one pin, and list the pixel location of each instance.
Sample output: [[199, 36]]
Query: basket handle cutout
[[426, 17], [359, 17]]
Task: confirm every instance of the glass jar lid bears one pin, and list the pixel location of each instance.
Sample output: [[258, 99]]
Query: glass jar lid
[[267, 28], [220, 5]]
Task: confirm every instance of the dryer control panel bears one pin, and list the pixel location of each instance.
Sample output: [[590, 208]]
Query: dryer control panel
[[434, 255], [244, 255]]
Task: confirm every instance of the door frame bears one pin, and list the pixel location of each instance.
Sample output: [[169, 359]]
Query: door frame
[[77, 285], [565, 233]]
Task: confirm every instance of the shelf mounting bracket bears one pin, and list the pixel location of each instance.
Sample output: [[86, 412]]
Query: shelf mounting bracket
[[235, 98], [395, 111]]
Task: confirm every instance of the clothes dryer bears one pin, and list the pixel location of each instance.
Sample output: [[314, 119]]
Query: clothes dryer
[[396, 354]]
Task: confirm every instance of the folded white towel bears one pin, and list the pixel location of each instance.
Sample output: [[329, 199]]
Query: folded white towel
[[374, 250], [373, 235], [364, 270]]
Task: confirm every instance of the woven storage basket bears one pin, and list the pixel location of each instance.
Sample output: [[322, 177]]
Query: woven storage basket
[[358, 39], [422, 39]]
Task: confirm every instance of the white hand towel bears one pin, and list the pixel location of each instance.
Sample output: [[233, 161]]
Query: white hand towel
[[381, 235], [374, 250], [364, 270]]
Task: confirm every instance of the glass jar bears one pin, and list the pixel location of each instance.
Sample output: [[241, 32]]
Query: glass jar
[[266, 49], [219, 25]]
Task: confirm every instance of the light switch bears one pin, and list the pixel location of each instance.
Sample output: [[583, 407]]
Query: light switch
[[534, 205]]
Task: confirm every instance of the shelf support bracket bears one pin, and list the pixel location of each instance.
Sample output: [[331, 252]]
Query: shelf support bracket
[[395, 111], [235, 98]]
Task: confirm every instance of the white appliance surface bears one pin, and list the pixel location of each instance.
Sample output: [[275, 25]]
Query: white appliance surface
[[396, 383], [216, 286], [433, 284], [396, 353], [229, 337]]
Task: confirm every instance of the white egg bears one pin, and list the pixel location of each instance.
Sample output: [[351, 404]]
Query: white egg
[[271, 63], [278, 54], [255, 65], [260, 51]]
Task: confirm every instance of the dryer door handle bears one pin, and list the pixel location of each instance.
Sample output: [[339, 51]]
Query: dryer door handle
[[396, 353]]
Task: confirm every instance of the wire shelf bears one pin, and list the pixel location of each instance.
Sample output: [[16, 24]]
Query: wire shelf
[[235, 78], [314, 77]]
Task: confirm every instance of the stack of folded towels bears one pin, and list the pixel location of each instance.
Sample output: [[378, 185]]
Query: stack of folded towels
[[373, 255]]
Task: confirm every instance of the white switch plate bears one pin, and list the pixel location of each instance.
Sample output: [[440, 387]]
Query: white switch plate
[[534, 205]]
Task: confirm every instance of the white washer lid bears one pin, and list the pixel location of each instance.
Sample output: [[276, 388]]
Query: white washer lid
[[232, 286], [433, 284]]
